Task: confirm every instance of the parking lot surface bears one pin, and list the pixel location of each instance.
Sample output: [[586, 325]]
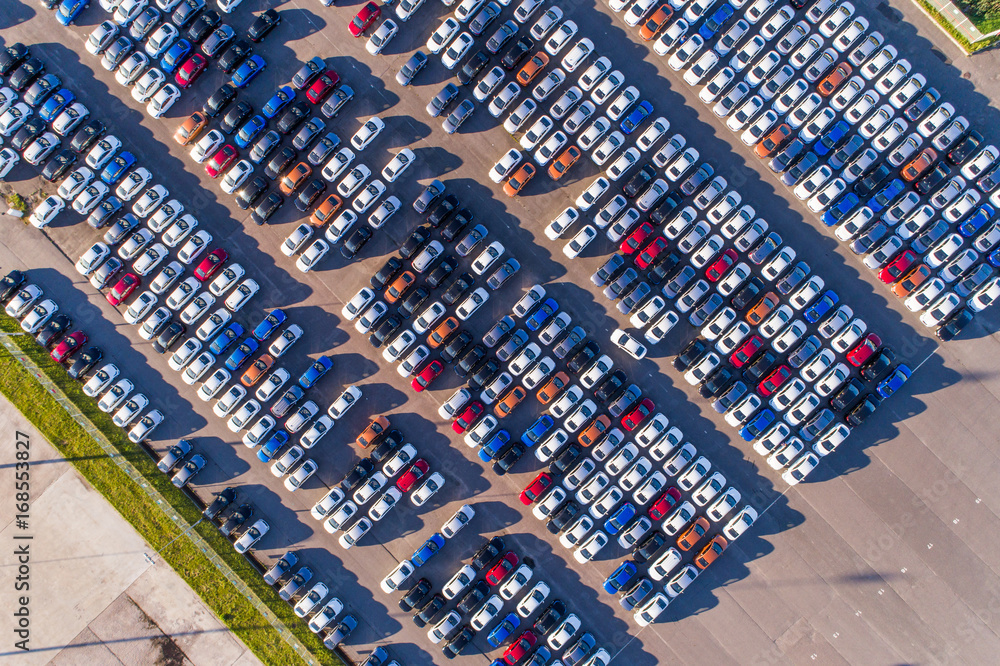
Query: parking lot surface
[[885, 554]]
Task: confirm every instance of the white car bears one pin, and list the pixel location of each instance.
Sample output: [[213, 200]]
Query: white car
[[364, 136], [45, 212], [147, 85], [628, 344], [163, 100], [241, 295], [579, 242], [382, 36], [207, 145], [427, 489], [236, 176], [456, 50], [458, 521]]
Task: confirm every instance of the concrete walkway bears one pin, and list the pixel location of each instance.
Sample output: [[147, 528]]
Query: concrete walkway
[[958, 20]]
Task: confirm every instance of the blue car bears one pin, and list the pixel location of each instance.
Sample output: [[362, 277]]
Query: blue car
[[272, 321], [249, 131], [320, 367], [175, 55], [891, 384], [241, 354], [537, 430], [977, 220], [619, 519], [635, 118], [885, 196], [542, 314], [426, 551], [757, 425], [713, 24], [116, 168], [494, 446], [823, 305], [278, 101], [840, 208], [994, 258], [619, 578], [832, 138], [54, 105], [69, 10], [246, 72], [226, 338], [504, 629], [272, 446]]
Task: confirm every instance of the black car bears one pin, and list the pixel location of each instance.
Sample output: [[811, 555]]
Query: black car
[[878, 366], [234, 55], [843, 399], [469, 360], [570, 341], [294, 116], [441, 272], [566, 458], [26, 74], [563, 516], [59, 164], [965, 147], [29, 131], [251, 192], [219, 100], [690, 354], [717, 382], [169, 337], [487, 553], [501, 36], [430, 194], [235, 117], [860, 414], [472, 598], [953, 327], [582, 358], [313, 190], [384, 331], [611, 387], [219, 504], [865, 186], [664, 209], [54, 329], [484, 374], [413, 300], [517, 52], [203, 26], [664, 266], [386, 446], [266, 208], [746, 294], [456, 225], [933, 178], [241, 515], [356, 476], [508, 457], [356, 242], [87, 136], [924, 103], [10, 284], [389, 270], [550, 617], [12, 56], [85, 361], [281, 161], [455, 646], [441, 101], [429, 611], [264, 24], [445, 207], [646, 549], [105, 212], [415, 242], [40, 90], [186, 12], [639, 181], [456, 346], [121, 228], [472, 67], [764, 364], [415, 596], [218, 41], [792, 278]]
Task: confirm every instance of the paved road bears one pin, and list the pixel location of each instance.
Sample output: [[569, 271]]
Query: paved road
[[885, 556]]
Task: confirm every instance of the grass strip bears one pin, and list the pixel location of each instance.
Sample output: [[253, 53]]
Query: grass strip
[[53, 422], [947, 26]]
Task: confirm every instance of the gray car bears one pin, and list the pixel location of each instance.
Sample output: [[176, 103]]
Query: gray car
[[411, 68], [442, 100], [174, 455], [187, 472], [458, 116]]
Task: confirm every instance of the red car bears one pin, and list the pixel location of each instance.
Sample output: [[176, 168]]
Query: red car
[[368, 15], [468, 417], [413, 473], [897, 267], [516, 651], [746, 351], [430, 372], [190, 70], [650, 252], [774, 380], [502, 568], [322, 86], [211, 264], [69, 345], [221, 160], [721, 265], [535, 489], [864, 350], [636, 238], [124, 288], [631, 420], [664, 503]]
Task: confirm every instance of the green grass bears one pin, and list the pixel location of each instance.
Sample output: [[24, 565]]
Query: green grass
[[946, 25], [986, 23], [132, 502]]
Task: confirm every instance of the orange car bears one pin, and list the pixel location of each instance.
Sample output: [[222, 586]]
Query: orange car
[[593, 432], [553, 388], [833, 80], [295, 178], [191, 128], [508, 401], [770, 144], [376, 427], [913, 279], [561, 165], [918, 165], [693, 534], [256, 371], [399, 287], [711, 552], [532, 68], [326, 210], [653, 24], [516, 183], [442, 332], [762, 308]]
